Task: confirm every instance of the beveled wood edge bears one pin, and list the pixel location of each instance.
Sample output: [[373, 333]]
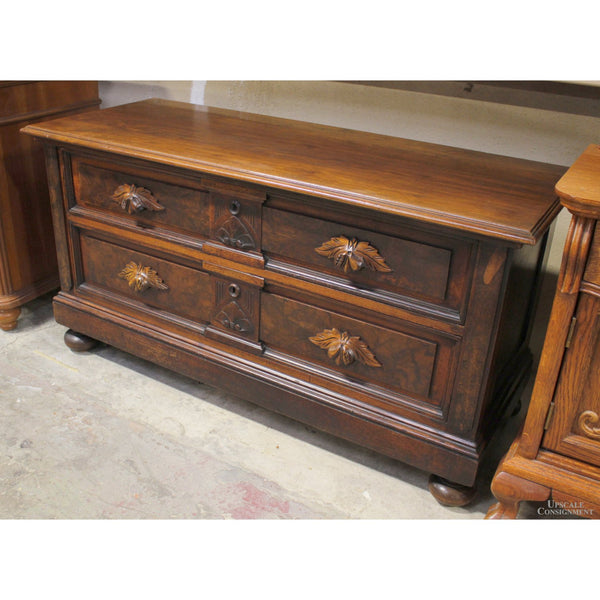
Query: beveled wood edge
[[413, 304], [593, 289], [576, 201], [511, 235], [26, 294]]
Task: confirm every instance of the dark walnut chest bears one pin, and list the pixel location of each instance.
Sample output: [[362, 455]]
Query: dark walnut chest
[[378, 289]]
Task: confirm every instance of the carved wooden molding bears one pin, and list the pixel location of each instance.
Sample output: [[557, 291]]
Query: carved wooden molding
[[141, 278], [577, 245], [352, 255], [234, 317], [588, 422], [235, 234], [135, 199], [344, 348]]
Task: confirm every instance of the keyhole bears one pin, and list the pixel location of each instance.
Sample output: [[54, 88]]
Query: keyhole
[[234, 207], [234, 290]]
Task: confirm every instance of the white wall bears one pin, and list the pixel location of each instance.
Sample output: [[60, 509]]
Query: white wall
[[534, 134]]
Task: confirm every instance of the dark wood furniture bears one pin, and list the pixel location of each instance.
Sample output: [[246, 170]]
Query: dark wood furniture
[[557, 454], [376, 288], [27, 254]]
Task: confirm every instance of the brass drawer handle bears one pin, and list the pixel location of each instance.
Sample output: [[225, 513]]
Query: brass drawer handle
[[135, 199], [588, 421], [141, 278], [352, 255], [344, 348]]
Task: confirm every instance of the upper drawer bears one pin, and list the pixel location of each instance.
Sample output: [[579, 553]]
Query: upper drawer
[[145, 197], [390, 268]]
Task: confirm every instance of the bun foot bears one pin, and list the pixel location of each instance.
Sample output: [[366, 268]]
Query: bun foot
[[78, 342], [448, 493], [8, 318]]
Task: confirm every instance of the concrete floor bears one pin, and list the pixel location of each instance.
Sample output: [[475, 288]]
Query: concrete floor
[[104, 435]]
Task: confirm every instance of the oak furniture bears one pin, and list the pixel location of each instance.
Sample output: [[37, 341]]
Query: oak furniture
[[378, 289], [556, 457], [28, 265]]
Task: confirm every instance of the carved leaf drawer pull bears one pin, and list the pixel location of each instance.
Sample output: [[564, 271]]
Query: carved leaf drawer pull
[[135, 199], [344, 348], [352, 255], [588, 421], [141, 278]]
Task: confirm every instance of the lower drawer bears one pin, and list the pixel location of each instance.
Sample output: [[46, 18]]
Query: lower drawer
[[155, 282], [418, 369]]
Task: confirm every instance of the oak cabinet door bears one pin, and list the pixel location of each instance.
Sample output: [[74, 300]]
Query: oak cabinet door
[[574, 429]]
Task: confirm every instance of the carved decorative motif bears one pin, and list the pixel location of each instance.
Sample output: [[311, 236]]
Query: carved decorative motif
[[588, 422], [577, 245], [352, 255], [141, 278], [235, 234], [233, 317], [135, 199], [344, 348]]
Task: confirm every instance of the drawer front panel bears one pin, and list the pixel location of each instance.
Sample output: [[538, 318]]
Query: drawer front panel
[[366, 259], [236, 307], [236, 222], [142, 197], [155, 282], [416, 367]]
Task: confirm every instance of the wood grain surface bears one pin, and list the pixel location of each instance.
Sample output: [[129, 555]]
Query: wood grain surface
[[483, 193]]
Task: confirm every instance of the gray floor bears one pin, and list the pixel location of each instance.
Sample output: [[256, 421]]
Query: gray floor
[[104, 435]]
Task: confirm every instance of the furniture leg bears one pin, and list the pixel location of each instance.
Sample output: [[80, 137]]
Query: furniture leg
[[448, 493], [510, 491], [8, 318], [78, 342]]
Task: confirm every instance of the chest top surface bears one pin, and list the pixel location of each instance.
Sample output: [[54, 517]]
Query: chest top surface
[[500, 197], [579, 188]]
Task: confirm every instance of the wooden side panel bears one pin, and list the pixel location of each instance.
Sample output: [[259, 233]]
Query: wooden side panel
[[474, 368], [28, 264], [26, 225]]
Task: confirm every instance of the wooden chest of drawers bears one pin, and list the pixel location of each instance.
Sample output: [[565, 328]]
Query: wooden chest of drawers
[[27, 255], [378, 289]]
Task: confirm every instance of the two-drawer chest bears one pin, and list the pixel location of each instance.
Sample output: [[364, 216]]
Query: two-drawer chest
[[378, 289]]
